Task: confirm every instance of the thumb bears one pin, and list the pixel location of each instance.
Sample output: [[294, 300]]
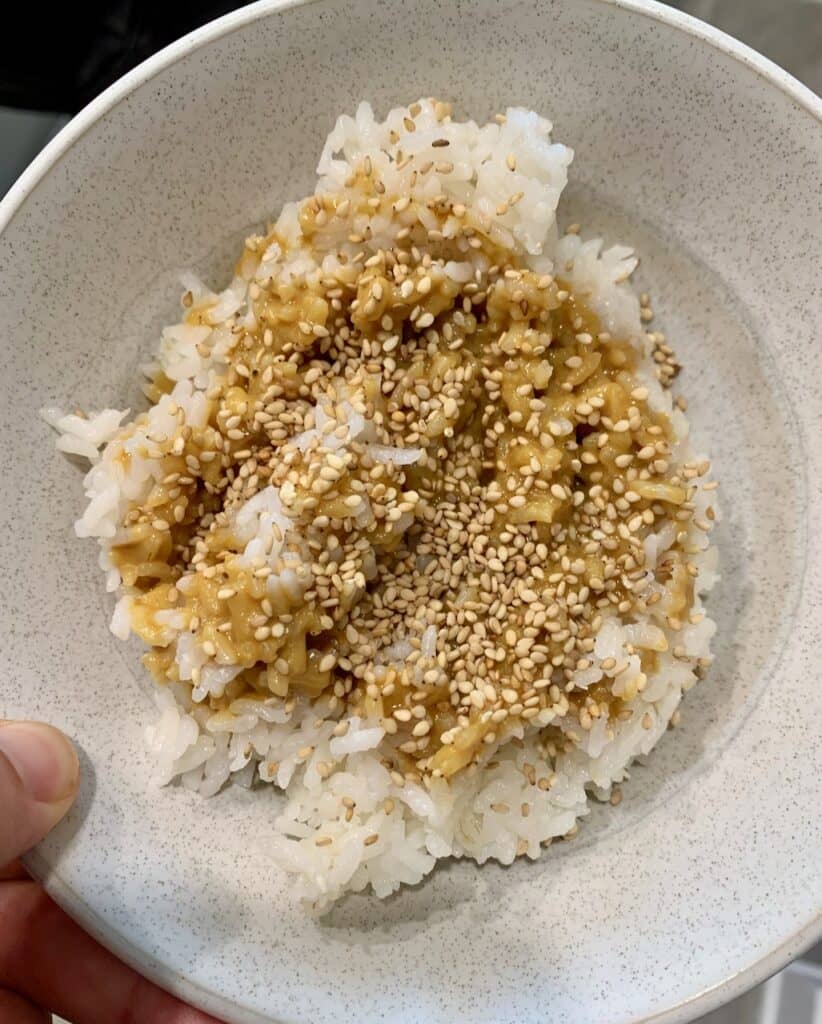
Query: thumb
[[38, 782]]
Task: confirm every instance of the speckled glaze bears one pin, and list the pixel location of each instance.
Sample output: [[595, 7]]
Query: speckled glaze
[[706, 157]]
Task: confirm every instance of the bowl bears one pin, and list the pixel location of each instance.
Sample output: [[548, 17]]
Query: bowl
[[690, 147]]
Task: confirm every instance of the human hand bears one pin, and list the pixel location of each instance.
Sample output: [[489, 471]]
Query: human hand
[[47, 963]]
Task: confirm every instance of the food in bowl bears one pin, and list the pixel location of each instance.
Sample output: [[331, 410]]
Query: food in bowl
[[412, 526]]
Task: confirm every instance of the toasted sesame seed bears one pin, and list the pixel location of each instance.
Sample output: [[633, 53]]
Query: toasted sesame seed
[[516, 531]]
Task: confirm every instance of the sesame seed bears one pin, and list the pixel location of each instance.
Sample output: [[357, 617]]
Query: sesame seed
[[489, 553]]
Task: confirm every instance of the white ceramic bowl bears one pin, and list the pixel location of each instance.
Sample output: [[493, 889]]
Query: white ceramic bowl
[[688, 145]]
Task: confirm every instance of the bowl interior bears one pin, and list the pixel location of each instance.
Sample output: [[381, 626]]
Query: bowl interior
[[682, 151]]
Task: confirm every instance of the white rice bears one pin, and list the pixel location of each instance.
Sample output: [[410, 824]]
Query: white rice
[[260, 741]]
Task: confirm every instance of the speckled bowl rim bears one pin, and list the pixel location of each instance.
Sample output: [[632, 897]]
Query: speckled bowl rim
[[63, 894]]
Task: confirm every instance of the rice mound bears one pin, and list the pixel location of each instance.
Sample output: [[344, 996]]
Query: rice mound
[[351, 820]]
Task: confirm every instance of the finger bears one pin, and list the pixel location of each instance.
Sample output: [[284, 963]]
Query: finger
[[38, 782], [45, 956], [16, 1010], [13, 872]]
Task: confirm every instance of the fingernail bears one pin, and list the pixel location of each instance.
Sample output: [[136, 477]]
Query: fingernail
[[43, 758]]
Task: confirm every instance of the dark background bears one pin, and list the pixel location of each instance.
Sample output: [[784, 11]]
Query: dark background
[[69, 52]]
